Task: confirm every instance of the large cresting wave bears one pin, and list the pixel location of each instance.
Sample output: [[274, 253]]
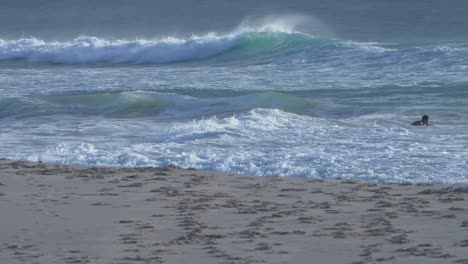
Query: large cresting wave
[[92, 50], [261, 45], [85, 50]]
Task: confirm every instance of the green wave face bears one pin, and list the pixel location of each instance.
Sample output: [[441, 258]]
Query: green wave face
[[125, 104], [95, 50], [271, 45], [149, 104]]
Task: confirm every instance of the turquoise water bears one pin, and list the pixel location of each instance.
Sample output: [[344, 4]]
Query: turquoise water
[[262, 98]]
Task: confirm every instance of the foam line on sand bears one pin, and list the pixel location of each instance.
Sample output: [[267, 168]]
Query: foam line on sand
[[71, 214]]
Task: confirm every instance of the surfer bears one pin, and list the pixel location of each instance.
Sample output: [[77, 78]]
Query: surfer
[[424, 121]]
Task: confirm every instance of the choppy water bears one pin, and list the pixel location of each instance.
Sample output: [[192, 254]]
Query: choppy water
[[263, 99]]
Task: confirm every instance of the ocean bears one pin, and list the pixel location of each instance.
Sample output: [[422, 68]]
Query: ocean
[[311, 89]]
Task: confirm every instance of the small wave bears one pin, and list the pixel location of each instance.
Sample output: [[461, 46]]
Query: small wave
[[137, 104]]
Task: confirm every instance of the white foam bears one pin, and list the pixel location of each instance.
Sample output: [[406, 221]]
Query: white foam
[[90, 49], [272, 142], [287, 23], [98, 50]]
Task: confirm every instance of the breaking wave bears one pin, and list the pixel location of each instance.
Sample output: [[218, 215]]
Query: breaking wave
[[260, 45]]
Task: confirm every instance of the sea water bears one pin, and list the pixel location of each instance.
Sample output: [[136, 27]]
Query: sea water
[[261, 93]]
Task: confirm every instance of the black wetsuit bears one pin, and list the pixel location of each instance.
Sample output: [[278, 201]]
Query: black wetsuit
[[419, 123]]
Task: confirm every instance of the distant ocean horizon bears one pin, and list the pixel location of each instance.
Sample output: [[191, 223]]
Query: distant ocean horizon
[[317, 89]]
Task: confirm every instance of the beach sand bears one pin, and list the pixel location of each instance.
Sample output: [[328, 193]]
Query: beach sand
[[71, 214]]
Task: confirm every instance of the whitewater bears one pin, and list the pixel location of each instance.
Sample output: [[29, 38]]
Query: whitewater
[[264, 100]]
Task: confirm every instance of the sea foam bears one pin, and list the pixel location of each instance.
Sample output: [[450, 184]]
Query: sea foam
[[275, 43], [98, 50], [271, 142], [92, 49]]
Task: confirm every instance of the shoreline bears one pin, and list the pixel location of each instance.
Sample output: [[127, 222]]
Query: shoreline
[[53, 213]]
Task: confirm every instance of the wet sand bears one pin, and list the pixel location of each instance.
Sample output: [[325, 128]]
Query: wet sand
[[71, 214]]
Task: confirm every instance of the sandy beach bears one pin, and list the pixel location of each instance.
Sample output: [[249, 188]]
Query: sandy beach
[[73, 214]]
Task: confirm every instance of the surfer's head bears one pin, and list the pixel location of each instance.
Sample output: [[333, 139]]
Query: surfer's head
[[425, 119]]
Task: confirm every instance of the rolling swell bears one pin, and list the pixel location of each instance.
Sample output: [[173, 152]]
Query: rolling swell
[[140, 104]]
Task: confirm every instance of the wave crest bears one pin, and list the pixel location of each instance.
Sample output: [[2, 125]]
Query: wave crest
[[91, 49], [96, 50], [254, 45]]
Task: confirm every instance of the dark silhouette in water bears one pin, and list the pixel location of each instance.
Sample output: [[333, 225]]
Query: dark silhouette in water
[[424, 121]]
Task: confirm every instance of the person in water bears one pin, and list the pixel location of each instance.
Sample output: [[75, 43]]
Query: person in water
[[424, 121]]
